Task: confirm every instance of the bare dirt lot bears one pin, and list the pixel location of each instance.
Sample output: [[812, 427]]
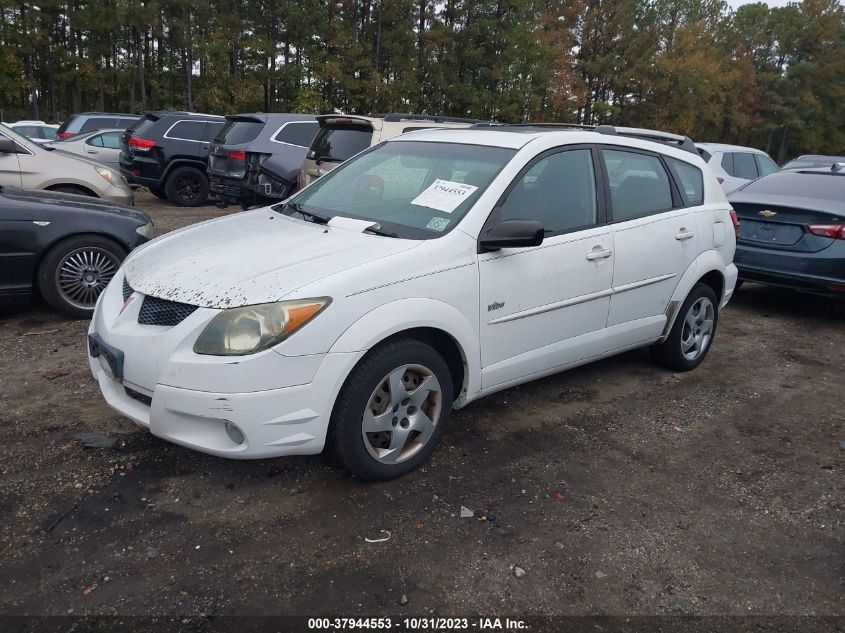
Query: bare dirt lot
[[619, 488]]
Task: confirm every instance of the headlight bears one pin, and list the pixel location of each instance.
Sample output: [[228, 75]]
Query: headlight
[[239, 331], [116, 179], [146, 230]]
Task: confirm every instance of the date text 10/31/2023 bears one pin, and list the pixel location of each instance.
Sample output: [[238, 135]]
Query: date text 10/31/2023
[[416, 624]]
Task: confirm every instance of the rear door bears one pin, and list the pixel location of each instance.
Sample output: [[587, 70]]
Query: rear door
[[104, 148], [654, 235]]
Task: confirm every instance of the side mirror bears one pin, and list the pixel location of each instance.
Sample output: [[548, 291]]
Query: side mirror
[[7, 146], [511, 234]]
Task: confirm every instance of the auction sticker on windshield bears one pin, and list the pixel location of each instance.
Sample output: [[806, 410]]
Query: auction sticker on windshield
[[444, 195]]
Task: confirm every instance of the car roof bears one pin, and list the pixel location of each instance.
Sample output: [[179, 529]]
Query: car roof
[[726, 147], [182, 113], [518, 136]]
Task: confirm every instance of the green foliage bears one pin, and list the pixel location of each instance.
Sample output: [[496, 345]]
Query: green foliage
[[769, 77]]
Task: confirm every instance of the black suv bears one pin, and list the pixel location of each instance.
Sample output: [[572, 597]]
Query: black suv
[[257, 157], [167, 152], [90, 121]]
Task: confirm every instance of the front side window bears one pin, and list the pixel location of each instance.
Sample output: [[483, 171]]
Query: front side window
[[639, 185], [690, 179], [559, 191], [413, 189]]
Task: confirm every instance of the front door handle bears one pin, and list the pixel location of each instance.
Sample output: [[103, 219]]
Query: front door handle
[[599, 253], [684, 235]]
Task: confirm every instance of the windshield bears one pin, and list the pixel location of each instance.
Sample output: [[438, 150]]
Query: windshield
[[341, 142], [411, 188], [239, 131]]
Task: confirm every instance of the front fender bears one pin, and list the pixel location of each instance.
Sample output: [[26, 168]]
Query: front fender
[[707, 262], [406, 314]]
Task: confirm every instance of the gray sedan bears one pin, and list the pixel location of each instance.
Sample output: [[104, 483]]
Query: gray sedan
[[102, 146]]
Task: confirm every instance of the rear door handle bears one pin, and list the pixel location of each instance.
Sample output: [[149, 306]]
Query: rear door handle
[[598, 253], [684, 235]]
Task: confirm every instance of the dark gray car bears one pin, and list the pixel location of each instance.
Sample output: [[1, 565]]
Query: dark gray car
[[256, 157], [792, 230]]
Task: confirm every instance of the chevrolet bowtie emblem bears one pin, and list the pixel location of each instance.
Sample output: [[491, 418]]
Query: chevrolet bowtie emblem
[[767, 213]]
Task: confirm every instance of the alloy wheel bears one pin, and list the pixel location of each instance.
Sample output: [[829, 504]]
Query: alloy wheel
[[84, 273]]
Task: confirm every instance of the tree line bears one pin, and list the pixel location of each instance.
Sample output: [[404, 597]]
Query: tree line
[[772, 78]]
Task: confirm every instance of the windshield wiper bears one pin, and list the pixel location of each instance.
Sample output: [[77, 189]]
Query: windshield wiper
[[377, 231], [327, 159], [311, 216]]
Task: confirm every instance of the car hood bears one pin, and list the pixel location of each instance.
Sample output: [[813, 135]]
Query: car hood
[[69, 202], [248, 258]]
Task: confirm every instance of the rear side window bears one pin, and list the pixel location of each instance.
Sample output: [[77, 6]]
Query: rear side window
[[340, 143], [98, 123], [691, 180], [110, 140], [639, 184], [299, 133], [744, 165], [238, 132], [29, 131], [125, 123], [765, 165]]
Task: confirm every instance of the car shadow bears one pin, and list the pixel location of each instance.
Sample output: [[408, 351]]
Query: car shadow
[[774, 301]]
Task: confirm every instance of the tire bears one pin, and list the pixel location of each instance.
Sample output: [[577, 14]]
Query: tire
[[79, 191], [158, 192], [395, 446], [692, 333], [75, 272], [187, 187]]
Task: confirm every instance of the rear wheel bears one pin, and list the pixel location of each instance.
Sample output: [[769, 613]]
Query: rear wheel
[[187, 187], [74, 273], [692, 333], [391, 411]]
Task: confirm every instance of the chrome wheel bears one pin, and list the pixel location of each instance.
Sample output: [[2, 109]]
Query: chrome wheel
[[698, 328], [84, 273], [402, 413]]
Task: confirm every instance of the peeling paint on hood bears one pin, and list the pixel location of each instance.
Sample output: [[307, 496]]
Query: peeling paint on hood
[[248, 258]]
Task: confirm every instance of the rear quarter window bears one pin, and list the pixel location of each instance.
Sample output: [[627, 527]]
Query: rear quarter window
[[744, 165], [299, 133], [187, 131], [690, 179]]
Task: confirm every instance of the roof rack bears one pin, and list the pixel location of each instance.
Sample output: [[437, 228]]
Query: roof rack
[[667, 138], [397, 116]]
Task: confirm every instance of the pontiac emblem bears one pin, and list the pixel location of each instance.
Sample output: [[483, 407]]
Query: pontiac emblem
[[767, 213]]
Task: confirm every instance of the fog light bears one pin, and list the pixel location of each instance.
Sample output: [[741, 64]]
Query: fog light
[[234, 433]]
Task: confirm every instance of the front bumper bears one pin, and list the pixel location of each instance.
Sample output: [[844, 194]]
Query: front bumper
[[119, 195], [281, 404]]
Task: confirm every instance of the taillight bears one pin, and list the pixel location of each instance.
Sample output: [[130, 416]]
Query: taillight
[[735, 221], [835, 231], [237, 155], [64, 134], [141, 144]]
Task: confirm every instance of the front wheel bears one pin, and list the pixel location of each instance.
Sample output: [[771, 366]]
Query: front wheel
[[692, 333], [391, 411], [74, 273]]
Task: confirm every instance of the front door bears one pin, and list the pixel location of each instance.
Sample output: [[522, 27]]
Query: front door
[[538, 303]]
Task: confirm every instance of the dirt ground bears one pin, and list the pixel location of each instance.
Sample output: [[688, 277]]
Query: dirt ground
[[619, 488]]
